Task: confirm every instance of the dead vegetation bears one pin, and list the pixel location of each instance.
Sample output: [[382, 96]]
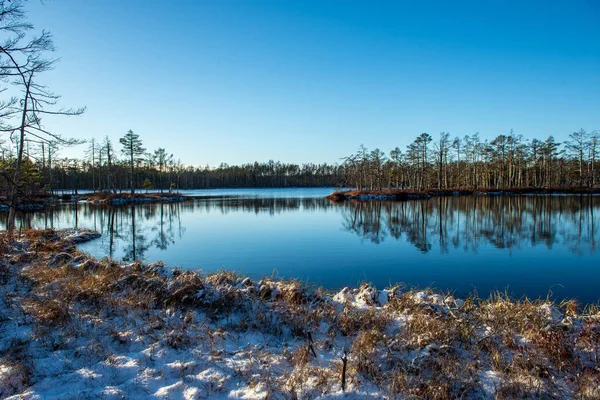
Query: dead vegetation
[[398, 342]]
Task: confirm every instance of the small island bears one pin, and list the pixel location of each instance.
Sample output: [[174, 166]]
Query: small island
[[117, 199]]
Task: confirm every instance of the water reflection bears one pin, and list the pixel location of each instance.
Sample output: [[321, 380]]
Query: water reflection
[[271, 206], [138, 228], [443, 223], [465, 222], [457, 243], [146, 226]]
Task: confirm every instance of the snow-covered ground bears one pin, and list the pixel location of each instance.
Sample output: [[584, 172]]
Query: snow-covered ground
[[75, 327]]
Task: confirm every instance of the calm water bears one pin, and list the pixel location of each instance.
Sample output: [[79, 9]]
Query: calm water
[[530, 245]]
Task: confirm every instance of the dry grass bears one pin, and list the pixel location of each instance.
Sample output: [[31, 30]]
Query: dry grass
[[4, 274], [16, 370], [588, 385], [419, 345]]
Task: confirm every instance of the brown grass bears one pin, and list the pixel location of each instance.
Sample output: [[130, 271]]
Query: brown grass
[[414, 348], [18, 369]]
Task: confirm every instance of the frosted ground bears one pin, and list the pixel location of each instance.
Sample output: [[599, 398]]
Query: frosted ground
[[75, 327]]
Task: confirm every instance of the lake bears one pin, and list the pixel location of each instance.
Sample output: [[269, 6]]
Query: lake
[[533, 245]]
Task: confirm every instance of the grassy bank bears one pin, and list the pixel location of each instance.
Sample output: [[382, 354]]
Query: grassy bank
[[74, 327], [408, 194]]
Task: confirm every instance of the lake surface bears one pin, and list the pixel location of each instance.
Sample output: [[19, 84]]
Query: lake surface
[[533, 245]]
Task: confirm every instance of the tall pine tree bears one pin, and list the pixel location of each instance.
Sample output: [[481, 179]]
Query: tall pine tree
[[133, 150]]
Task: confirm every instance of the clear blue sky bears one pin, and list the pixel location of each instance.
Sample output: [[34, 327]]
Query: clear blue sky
[[237, 81]]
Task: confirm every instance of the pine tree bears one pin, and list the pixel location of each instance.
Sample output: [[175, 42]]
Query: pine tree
[[133, 150]]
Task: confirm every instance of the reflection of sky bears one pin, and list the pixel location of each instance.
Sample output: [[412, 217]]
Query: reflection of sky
[[485, 245], [269, 193]]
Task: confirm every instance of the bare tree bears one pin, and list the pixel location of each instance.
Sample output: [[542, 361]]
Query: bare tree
[[162, 160], [396, 157], [442, 147], [593, 146], [457, 145], [577, 146], [422, 146], [92, 152], [23, 60], [107, 149]]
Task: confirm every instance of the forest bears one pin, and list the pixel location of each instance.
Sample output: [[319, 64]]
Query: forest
[[507, 161]]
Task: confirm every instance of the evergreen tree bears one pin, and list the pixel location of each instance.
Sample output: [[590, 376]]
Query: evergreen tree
[[133, 150]]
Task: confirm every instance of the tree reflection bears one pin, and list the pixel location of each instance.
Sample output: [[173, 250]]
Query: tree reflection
[[141, 228], [446, 223], [468, 221]]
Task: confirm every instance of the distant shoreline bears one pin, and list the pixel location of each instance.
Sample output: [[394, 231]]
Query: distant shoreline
[[39, 202], [408, 194], [41, 199]]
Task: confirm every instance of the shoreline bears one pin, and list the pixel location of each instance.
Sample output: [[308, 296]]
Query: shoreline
[[72, 325], [408, 194], [118, 199], [40, 203]]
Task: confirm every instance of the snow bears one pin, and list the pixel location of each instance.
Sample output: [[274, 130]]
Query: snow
[[79, 235], [225, 336], [551, 312], [489, 380]]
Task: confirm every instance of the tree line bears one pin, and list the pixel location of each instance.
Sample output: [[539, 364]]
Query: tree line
[[507, 161], [129, 167]]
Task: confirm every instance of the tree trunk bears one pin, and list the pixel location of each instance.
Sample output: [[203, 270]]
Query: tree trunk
[[14, 193], [132, 167]]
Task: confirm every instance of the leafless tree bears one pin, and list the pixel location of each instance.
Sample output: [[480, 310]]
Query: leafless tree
[[22, 60], [577, 147]]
